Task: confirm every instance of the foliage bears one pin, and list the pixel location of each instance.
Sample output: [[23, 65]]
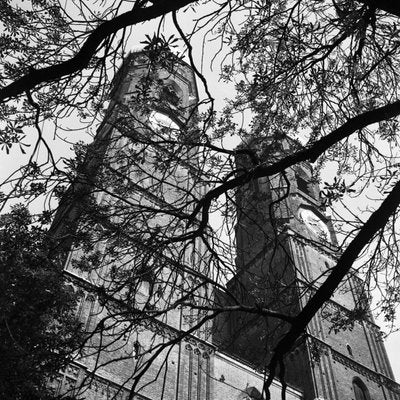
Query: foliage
[[159, 202], [38, 327]]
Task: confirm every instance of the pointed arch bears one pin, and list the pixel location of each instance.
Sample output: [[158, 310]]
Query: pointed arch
[[360, 390]]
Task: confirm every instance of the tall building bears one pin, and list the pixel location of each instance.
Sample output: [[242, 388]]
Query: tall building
[[141, 344], [286, 247], [128, 280]]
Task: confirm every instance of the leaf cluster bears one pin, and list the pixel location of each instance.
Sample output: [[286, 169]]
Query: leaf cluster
[[38, 326]]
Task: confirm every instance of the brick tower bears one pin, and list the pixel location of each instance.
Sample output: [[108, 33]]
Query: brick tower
[[122, 333], [285, 247], [126, 279]]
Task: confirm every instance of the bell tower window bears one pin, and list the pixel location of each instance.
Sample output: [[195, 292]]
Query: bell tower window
[[169, 94], [303, 186]]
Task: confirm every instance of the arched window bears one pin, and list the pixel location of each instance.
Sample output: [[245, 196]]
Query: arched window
[[88, 312], [171, 93], [81, 303], [349, 350], [360, 390], [303, 184]]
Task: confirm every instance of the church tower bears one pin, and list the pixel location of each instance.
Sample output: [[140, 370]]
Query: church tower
[[286, 246], [142, 343], [132, 177], [132, 181]]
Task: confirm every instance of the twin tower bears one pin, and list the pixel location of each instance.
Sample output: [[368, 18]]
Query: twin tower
[[285, 247]]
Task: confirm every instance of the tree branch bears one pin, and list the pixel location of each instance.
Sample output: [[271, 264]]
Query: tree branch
[[375, 223], [389, 6], [310, 154], [259, 310], [78, 62]]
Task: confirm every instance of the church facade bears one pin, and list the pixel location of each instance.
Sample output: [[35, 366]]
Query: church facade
[[216, 363]]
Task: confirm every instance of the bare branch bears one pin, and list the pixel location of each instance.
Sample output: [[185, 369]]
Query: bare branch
[[89, 48]]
